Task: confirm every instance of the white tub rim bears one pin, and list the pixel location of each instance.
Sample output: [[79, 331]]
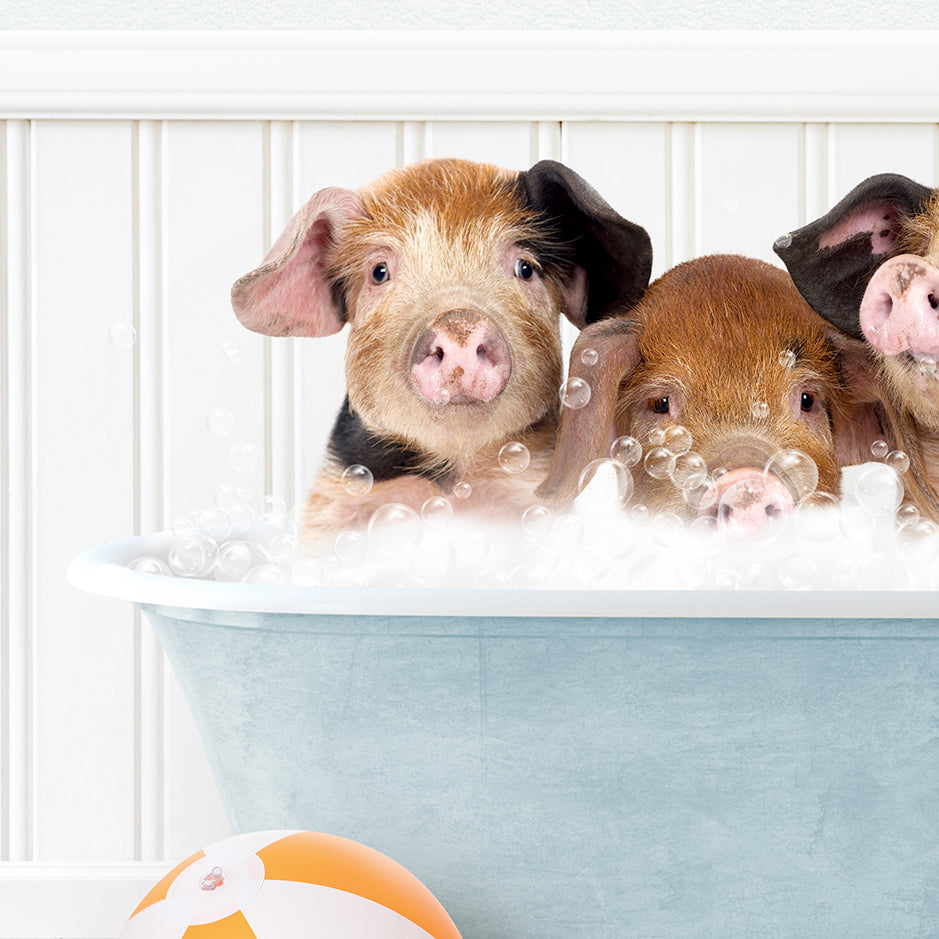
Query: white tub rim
[[103, 570]]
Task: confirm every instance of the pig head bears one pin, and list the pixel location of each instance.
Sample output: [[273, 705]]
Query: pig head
[[733, 386], [870, 266], [451, 277]]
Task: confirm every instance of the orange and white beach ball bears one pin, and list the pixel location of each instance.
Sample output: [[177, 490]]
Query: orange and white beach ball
[[287, 885]]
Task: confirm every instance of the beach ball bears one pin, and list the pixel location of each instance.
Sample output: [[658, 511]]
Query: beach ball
[[287, 885]]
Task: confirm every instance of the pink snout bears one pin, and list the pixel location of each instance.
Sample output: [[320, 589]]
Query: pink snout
[[461, 358], [900, 309], [749, 500]]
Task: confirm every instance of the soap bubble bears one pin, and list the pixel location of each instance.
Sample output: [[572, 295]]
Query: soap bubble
[[883, 571], [878, 490], [492, 578], [441, 396], [437, 510], [189, 557], [529, 577], [689, 471], [787, 358], [795, 469], [306, 572], [183, 527], [918, 535], [656, 436], [575, 393], [759, 410], [220, 421], [659, 462], [234, 559], [351, 545], [736, 518], [677, 439], [606, 481], [227, 495], [463, 490], [589, 357], [703, 496], [244, 457], [898, 461], [783, 241], [627, 450], [394, 528], [514, 457], [273, 510], [639, 512], [232, 353], [798, 572], [149, 565], [817, 520], [242, 517], [282, 548], [907, 514], [356, 479], [537, 520], [215, 522], [567, 530], [432, 561], [927, 366], [122, 335], [879, 449], [265, 575], [473, 546]]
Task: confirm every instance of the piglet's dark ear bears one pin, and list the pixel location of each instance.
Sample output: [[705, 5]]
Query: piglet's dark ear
[[616, 254], [832, 259], [585, 433]]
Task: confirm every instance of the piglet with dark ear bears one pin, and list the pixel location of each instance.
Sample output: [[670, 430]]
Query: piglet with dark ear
[[451, 276], [870, 266]]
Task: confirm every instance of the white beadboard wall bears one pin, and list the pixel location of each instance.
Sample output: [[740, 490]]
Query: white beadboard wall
[[142, 173]]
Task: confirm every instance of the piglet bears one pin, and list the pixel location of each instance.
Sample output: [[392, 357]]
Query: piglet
[[451, 276], [733, 386], [870, 266]]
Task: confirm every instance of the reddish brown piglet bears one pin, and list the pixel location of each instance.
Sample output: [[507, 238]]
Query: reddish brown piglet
[[451, 276], [733, 386]]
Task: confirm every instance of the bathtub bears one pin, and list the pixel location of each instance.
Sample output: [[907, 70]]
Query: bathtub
[[571, 764]]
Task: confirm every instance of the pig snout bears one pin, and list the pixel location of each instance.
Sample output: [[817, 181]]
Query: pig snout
[[461, 358], [900, 308], [748, 499]]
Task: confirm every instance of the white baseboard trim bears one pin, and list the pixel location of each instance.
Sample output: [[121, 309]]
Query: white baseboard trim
[[72, 901]]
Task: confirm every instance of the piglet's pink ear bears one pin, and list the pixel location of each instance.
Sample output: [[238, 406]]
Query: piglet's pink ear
[[291, 293]]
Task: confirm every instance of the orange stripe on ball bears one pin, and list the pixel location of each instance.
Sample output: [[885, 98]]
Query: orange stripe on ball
[[232, 927], [159, 891]]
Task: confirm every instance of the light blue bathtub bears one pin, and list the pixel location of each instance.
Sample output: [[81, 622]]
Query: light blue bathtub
[[581, 764]]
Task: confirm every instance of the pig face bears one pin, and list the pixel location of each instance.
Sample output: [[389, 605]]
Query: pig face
[[451, 276], [871, 267], [726, 348]]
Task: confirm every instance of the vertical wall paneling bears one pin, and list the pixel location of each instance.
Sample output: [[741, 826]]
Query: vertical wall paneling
[[149, 756], [83, 445], [17, 614], [682, 194], [815, 177], [412, 142], [546, 141], [507, 143]]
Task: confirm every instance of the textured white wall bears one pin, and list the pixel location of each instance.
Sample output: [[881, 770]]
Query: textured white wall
[[468, 14]]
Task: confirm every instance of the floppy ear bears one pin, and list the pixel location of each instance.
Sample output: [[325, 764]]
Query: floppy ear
[[291, 293], [585, 434], [832, 259], [613, 253]]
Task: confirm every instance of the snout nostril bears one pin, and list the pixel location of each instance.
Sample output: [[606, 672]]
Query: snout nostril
[[772, 511], [933, 301], [438, 354]]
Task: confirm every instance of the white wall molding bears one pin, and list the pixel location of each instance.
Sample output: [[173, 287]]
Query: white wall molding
[[81, 901], [756, 76]]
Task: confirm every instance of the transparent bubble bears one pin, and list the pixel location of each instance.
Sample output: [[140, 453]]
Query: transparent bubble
[[703, 527], [607, 480], [749, 511], [242, 517], [148, 565], [703, 496], [798, 572], [918, 535], [927, 366], [306, 572], [656, 571], [879, 449], [878, 490], [282, 548], [227, 495], [575, 393], [265, 575], [473, 546], [122, 335], [354, 577], [639, 512], [514, 457], [659, 462], [667, 529], [884, 571], [232, 353], [394, 528], [677, 439], [689, 471], [492, 578], [215, 522], [589, 357], [657, 436], [463, 490], [437, 510], [273, 510], [356, 479], [529, 577], [220, 421], [351, 545], [817, 520], [188, 557], [235, 559], [797, 470], [537, 520], [787, 358], [759, 410], [627, 450], [244, 457], [906, 514], [783, 242], [567, 530], [183, 527], [433, 561], [898, 461], [441, 396]]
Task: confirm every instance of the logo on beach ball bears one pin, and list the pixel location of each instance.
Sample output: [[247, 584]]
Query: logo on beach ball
[[288, 885]]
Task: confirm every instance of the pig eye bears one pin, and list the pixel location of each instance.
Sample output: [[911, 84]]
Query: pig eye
[[524, 269], [807, 401], [380, 273], [659, 405]]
